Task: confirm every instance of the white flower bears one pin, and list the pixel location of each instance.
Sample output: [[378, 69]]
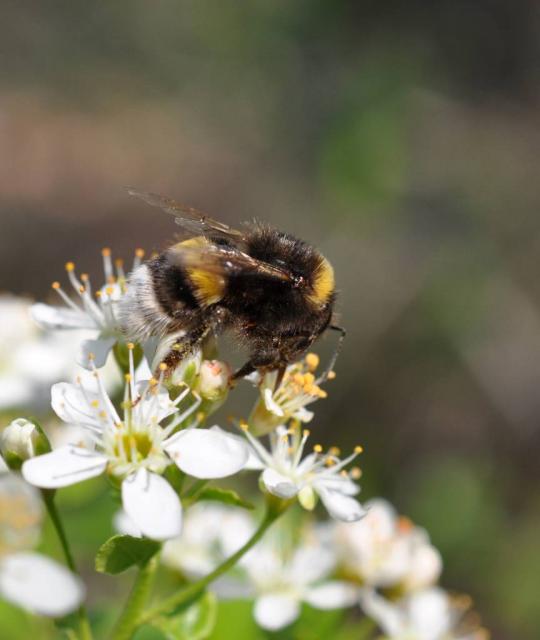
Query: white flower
[[287, 475], [385, 550], [30, 360], [298, 389], [211, 533], [282, 581], [97, 312], [430, 614], [136, 449], [27, 579]]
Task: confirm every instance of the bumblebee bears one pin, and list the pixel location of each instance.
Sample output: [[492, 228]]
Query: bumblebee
[[275, 292]]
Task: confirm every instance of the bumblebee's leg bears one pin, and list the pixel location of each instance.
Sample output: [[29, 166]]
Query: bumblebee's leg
[[184, 348], [244, 371], [337, 350]]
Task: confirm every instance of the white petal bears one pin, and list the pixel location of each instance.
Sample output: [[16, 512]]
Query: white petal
[[271, 404], [98, 349], [338, 483], [388, 616], [277, 484], [72, 405], [303, 415], [207, 453], [153, 506], [274, 612], [125, 525], [51, 318], [62, 467], [39, 584], [340, 506], [332, 595]]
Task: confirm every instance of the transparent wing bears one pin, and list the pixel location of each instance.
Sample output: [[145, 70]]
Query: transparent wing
[[192, 220], [225, 260]]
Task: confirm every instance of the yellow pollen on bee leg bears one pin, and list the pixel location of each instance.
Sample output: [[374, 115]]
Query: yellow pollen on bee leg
[[312, 361], [70, 266]]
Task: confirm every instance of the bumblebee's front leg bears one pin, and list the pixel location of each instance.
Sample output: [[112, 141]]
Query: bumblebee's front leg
[[182, 348]]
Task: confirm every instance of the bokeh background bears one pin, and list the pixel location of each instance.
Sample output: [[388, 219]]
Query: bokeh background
[[403, 139]]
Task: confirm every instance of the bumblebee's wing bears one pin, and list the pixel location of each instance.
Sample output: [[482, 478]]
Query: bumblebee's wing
[[224, 260], [192, 220]]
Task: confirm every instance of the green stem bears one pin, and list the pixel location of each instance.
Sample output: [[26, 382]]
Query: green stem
[[126, 624], [85, 631], [190, 496], [193, 590]]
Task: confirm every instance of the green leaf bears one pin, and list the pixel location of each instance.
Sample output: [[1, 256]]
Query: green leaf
[[227, 496], [196, 622], [121, 552]]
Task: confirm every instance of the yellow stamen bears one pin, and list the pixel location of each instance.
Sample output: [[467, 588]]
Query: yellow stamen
[[127, 377], [331, 375], [356, 473], [105, 252], [70, 266], [334, 451], [306, 433], [109, 291], [55, 285], [139, 253], [84, 277], [163, 366], [91, 356], [317, 448], [130, 346], [119, 262], [244, 426], [312, 361], [358, 449], [95, 403]]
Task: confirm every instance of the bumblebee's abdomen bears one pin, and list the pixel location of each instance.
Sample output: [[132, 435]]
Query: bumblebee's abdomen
[[160, 300]]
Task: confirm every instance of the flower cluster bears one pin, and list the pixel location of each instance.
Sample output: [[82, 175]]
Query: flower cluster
[[148, 434]]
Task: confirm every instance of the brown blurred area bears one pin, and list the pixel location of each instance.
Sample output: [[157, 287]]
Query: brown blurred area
[[402, 139]]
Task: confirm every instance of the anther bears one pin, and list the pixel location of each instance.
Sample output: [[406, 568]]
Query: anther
[[356, 473], [358, 449], [130, 346], [55, 285], [312, 361], [317, 448], [84, 277], [163, 366], [139, 253], [91, 357], [82, 289], [331, 375], [244, 426], [127, 377], [306, 433], [105, 252], [119, 262], [70, 266]]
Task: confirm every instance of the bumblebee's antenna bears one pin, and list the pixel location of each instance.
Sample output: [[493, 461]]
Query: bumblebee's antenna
[[336, 353]]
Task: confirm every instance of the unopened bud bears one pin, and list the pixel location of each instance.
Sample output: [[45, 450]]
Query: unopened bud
[[214, 377], [21, 440]]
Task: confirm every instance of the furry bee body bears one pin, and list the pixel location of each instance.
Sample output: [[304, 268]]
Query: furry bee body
[[273, 291]]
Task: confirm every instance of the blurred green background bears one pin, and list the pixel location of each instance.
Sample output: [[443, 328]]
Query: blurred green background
[[402, 138]]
